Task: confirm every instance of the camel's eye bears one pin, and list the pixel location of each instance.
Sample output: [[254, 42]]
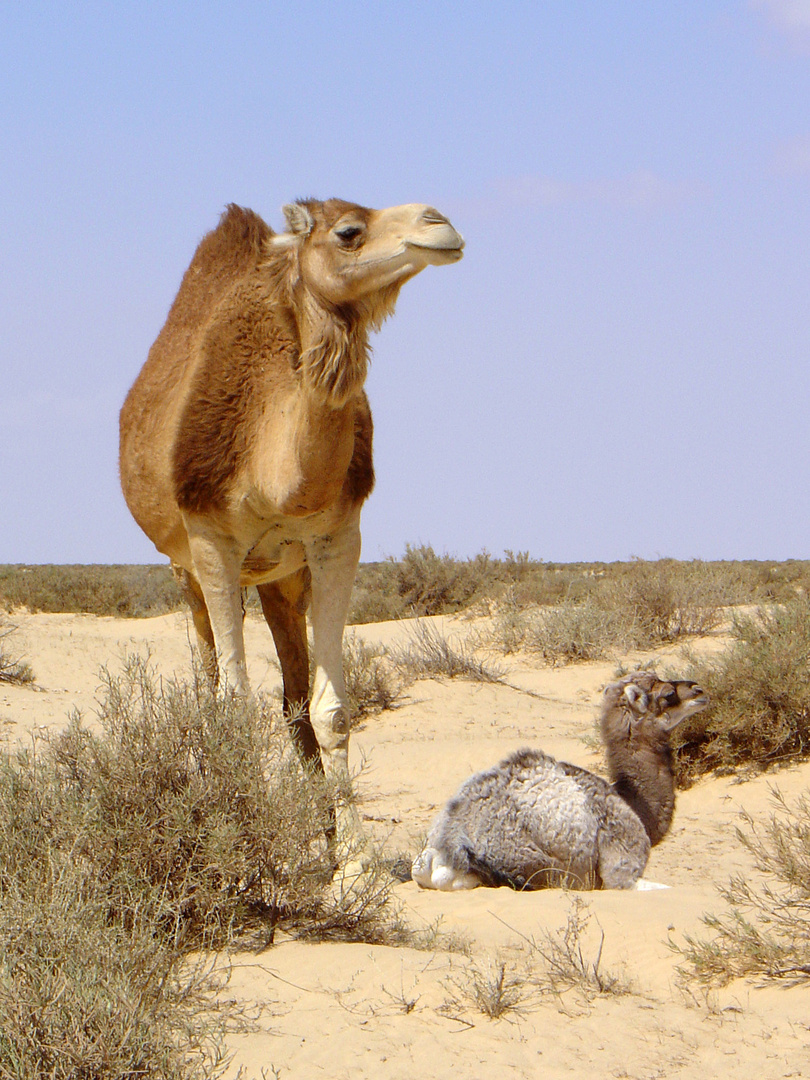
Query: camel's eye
[[348, 234]]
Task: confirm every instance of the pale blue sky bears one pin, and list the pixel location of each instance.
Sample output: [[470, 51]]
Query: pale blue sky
[[619, 365]]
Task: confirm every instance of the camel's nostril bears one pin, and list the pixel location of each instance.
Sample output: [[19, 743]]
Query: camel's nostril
[[430, 216]]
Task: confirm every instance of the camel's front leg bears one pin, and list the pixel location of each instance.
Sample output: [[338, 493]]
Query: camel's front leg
[[333, 563], [217, 563]]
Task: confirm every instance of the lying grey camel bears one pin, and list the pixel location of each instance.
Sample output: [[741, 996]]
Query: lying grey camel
[[533, 821]]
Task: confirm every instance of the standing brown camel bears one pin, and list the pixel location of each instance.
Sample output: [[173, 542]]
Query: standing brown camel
[[246, 439]]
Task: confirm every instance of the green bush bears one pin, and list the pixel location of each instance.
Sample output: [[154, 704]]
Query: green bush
[[760, 690]]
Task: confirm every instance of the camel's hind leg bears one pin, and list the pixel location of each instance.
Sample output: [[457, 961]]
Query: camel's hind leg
[[284, 604], [202, 623]]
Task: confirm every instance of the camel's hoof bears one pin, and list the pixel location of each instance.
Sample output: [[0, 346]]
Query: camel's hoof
[[353, 871]]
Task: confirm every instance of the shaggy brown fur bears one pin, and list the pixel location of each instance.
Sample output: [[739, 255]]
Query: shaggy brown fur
[[637, 717], [246, 440]]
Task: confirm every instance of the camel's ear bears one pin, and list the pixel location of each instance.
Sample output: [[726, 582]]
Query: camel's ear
[[299, 219], [635, 698]]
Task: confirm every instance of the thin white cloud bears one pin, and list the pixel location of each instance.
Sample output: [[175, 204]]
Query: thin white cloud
[[790, 17]]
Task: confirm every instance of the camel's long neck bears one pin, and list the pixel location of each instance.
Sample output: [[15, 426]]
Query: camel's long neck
[[645, 780], [334, 352]]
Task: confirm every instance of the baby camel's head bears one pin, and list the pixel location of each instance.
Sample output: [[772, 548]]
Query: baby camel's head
[[643, 702], [639, 713]]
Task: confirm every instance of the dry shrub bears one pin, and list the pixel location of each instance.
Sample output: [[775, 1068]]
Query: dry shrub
[[429, 654], [420, 583], [760, 690], [12, 668], [575, 632], [570, 964], [494, 988], [83, 997], [663, 601], [187, 823], [431, 584], [131, 591], [639, 605], [767, 930], [371, 682]]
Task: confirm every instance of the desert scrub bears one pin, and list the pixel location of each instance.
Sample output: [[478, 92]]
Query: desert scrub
[[420, 583], [187, 823], [663, 601], [766, 931], [430, 654], [638, 605], [372, 683], [83, 996], [131, 591], [566, 633], [201, 795], [12, 668], [83, 991], [575, 632], [760, 689]]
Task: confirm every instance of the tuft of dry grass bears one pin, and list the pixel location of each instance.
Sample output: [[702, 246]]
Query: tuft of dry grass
[[766, 931], [372, 683], [492, 987], [429, 654], [12, 668], [569, 964]]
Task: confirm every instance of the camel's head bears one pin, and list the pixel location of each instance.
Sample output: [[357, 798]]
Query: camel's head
[[643, 699], [348, 253]]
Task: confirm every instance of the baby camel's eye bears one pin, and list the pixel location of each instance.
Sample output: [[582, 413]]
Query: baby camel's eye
[[348, 234]]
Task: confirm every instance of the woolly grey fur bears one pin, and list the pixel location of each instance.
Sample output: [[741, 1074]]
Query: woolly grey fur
[[533, 822]]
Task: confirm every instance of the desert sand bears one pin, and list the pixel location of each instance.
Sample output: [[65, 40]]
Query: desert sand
[[337, 1010]]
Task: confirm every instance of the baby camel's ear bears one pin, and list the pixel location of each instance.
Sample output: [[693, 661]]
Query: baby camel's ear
[[635, 698]]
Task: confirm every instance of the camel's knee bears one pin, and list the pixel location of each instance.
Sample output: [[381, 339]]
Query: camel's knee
[[331, 723]]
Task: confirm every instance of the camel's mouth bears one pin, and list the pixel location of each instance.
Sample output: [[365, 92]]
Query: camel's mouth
[[439, 255]]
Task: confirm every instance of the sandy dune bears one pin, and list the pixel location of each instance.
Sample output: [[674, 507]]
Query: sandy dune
[[361, 1011]]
